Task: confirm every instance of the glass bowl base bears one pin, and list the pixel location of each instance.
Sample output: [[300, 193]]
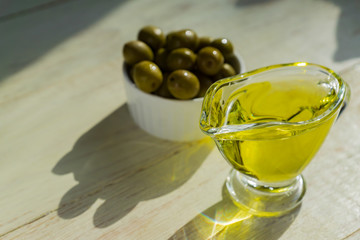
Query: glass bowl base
[[263, 199]]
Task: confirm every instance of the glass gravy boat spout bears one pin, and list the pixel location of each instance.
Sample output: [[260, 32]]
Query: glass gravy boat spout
[[268, 124]]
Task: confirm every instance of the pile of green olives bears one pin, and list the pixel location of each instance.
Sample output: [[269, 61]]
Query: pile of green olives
[[178, 65]]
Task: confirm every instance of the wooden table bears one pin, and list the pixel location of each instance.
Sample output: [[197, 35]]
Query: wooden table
[[74, 165]]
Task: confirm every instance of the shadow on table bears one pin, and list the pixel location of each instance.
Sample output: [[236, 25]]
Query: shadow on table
[[121, 165], [347, 30], [29, 33], [225, 220], [253, 2]]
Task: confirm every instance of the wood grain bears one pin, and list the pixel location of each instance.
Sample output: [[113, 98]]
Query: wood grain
[[74, 165]]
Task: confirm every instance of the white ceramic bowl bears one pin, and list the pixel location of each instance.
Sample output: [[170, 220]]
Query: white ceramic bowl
[[170, 119]]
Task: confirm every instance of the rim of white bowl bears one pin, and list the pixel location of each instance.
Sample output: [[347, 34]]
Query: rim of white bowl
[[132, 84]]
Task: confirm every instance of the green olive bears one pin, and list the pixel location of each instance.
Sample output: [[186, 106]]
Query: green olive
[[224, 45], [204, 41], [147, 76], [234, 62], [161, 58], [183, 84], [209, 60], [152, 36], [163, 90], [181, 58], [225, 71], [137, 51], [182, 39], [205, 83]]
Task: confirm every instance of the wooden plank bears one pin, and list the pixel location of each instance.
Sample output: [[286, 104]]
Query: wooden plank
[[74, 165], [11, 9]]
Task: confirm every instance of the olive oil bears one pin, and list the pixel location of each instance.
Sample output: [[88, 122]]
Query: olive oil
[[260, 128]]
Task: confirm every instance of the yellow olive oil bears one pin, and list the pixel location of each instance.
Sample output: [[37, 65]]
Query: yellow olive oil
[[271, 130]]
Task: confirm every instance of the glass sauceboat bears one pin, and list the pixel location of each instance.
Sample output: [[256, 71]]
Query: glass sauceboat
[[268, 124]]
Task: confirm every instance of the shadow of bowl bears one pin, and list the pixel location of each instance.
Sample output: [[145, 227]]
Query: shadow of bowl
[[119, 163]]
